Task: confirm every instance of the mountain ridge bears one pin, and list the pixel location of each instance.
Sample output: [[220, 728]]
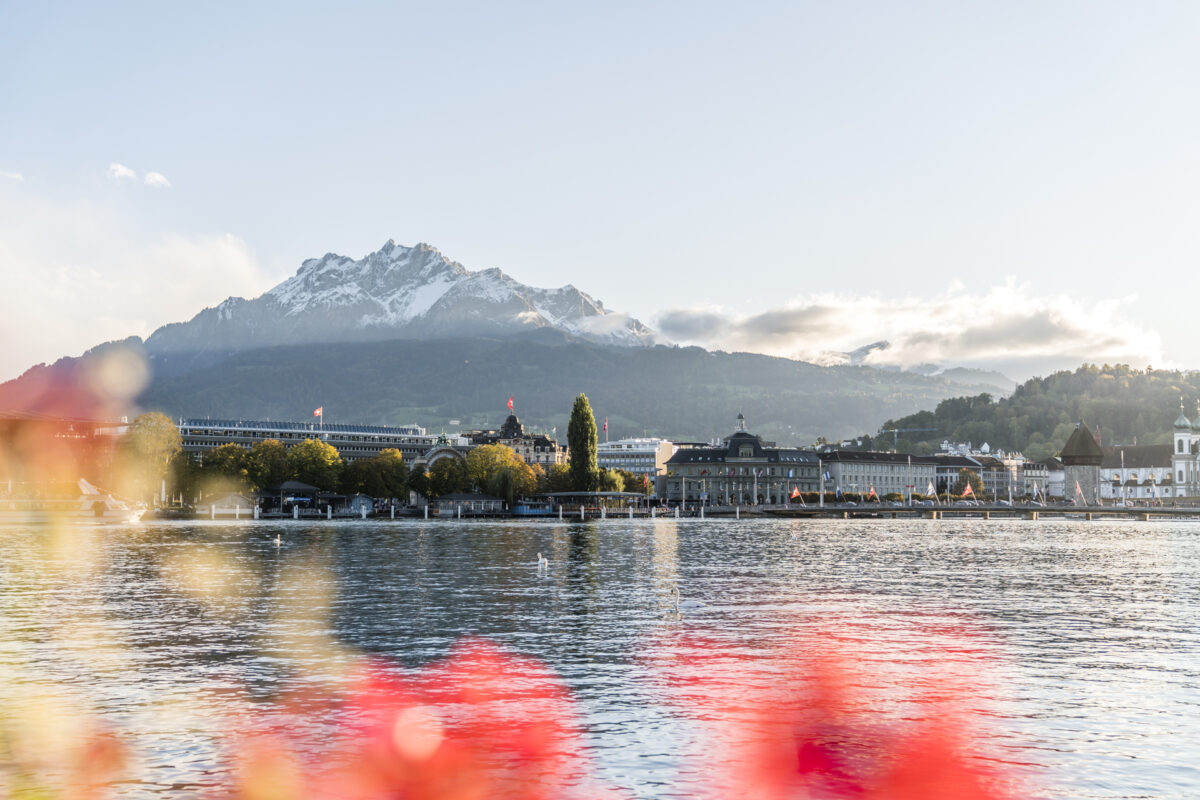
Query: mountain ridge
[[395, 292]]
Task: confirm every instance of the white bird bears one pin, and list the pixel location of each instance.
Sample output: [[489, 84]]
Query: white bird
[[278, 541], [543, 563], [690, 605]]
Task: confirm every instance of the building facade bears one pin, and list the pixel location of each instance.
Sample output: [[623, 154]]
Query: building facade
[[741, 470], [1185, 455], [647, 456], [533, 448], [859, 471], [353, 442], [1137, 472]]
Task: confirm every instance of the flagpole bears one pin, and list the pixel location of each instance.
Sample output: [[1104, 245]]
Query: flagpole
[[821, 476]]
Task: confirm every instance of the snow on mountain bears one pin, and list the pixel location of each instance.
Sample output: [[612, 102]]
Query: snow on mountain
[[395, 292]]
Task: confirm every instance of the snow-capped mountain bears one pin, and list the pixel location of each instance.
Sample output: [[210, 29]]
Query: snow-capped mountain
[[396, 292]]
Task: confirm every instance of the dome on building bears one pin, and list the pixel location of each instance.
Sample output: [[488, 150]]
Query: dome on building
[[1182, 423], [512, 428], [1081, 448]]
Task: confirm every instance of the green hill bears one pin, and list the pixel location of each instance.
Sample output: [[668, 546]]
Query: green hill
[[1128, 405], [687, 393]]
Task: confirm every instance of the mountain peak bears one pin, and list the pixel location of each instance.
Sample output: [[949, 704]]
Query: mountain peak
[[396, 292]]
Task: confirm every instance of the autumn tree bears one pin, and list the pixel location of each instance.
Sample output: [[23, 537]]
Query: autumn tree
[[316, 463], [581, 443], [146, 452]]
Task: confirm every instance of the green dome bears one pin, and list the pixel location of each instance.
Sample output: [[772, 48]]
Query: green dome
[[1182, 423]]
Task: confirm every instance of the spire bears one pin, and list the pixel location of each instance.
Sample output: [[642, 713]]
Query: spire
[[1182, 423]]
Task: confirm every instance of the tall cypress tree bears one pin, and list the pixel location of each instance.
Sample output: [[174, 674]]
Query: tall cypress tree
[[581, 441]]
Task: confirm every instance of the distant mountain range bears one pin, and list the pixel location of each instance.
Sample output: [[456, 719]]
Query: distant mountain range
[[396, 292], [406, 335]]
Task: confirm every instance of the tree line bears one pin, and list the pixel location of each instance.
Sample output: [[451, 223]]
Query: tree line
[[151, 453], [1129, 406]]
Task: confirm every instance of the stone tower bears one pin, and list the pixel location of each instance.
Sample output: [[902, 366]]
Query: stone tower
[[1082, 456]]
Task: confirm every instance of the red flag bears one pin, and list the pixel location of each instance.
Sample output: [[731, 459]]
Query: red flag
[[510, 408], [968, 490], [872, 492], [320, 412], [645, 481], [606, 424], [795, 492]]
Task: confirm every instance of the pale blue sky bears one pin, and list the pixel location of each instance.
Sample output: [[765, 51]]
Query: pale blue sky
[[726, 157]]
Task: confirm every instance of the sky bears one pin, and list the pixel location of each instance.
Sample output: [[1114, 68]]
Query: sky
[[1007, 185]]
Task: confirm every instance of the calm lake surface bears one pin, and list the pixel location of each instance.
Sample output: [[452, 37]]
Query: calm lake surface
[[1089, 630]]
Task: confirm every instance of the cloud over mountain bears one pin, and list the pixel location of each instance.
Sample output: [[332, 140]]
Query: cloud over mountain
[[1007, 328]]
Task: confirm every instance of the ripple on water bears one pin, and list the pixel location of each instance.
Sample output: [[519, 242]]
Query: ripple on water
[[168, 630]]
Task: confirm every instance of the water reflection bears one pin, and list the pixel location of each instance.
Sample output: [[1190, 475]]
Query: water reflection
[[166, 631]]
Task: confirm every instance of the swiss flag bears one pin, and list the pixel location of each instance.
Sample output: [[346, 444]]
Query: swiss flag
[[510, 404], [320, 412], [968, 491]]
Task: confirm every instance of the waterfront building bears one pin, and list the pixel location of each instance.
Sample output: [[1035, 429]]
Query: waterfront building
[[533, 448], [741, 469], [948, 467], [352, 441], [1185, 455], [644, 456], [1035, 479], [1137, 472], [1081, 457], [858, 471]]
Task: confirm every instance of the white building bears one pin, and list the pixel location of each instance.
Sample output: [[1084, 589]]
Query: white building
[[645, 456], [1185, 455], [1137, 472]]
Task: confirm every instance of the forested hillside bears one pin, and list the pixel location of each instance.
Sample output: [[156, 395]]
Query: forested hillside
[[1127, 405], [687, 393]]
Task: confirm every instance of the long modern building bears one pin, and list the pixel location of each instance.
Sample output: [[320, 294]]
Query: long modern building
[[352, 441], [645, 456], [743, 469]]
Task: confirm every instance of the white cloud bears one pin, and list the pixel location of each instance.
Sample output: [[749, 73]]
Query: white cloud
[[13, 176], [118, 171], [157, 180], [91, 272], [1007, 328]]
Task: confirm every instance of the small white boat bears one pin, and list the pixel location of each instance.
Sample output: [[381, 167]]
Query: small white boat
[[91, 507]]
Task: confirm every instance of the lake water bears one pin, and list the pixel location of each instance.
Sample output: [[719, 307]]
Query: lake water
[[1086, 632]]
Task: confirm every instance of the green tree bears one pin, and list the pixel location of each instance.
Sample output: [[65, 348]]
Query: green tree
[[393, 473], [556, 478], [382, 476], [610, 481], [581, 444], [965, 477], [493, 465], [223, 470], [636, 483], [267, 464], [228, 460], [185, 476], [447, 476], [146, 452], [418, 481], [315, 462]]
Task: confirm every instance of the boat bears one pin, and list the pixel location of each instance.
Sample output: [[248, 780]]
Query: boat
[[90, 506]]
